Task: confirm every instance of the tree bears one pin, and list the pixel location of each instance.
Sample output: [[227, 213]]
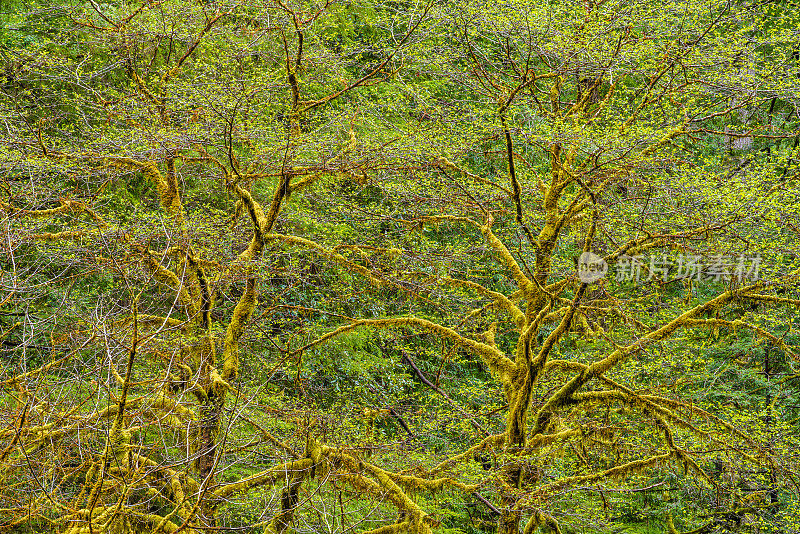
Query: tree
[[175, 175], [603, 137], [122, 120]]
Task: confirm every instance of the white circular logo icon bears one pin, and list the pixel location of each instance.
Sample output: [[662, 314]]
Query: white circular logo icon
[[591, 267]]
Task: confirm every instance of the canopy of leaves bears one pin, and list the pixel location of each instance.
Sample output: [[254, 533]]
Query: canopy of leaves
[[311, 266]]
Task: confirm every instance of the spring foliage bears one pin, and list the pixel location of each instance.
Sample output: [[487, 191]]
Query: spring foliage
[[322, 266]]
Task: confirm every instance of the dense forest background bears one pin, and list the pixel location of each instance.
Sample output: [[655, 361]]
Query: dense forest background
[[373, 266]]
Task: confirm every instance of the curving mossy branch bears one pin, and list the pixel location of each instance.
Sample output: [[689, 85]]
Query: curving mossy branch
[[495, 360]]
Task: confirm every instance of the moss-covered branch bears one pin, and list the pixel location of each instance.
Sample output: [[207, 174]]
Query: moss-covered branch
[[498, 363]]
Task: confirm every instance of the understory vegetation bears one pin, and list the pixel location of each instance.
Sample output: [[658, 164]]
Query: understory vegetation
[[370, 266]]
